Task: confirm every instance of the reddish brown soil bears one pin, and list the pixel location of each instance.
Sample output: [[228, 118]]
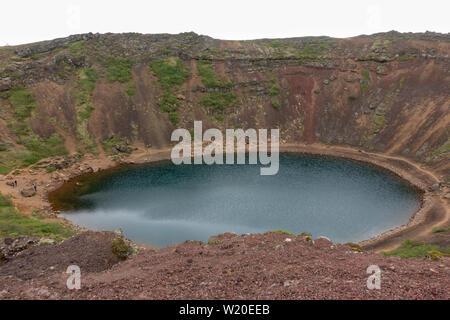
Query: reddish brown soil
[[235, 267]]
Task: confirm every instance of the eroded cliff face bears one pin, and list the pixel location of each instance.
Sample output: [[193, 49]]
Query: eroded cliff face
[[386, 92]]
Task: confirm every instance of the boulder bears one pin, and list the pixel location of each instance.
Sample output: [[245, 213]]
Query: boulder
[[28, 192], [434, 187], [123, 148]]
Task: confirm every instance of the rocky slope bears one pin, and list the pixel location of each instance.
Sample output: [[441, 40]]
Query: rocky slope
[[384, 92], [270, 266]]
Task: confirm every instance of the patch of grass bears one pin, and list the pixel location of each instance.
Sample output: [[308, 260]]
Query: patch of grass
[[274, 90], [14, 224], [22, 101], [171, 75], [281, 231], [441, 229], [365, 74], [108, 144], [218, 101], [415, 249], [364, 87], [214, 241], [209, 76], [174, 117], [355, 247], [131, 90], [50, 169], [276, 104], [87, 79], [118, 69], [379, 122], [404, 58], [4, 169], [75, 47], [439, 152], [43, 148], [170, 72]]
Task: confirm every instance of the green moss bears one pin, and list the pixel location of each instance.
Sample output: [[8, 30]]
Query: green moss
[[218, 101], [365, 74], [121, 248], [50, 169], [441, 229], [214, 241], [22, 102], [209, 77], [43, 148], [108, 144], [355, 247], [118, 69], [276, 104], [274, 90], [351, 97], [439, 152], [170, 72], [87, 79], [404, 58], [14, 224], [415, 249], [131, 90], [364, 87], [4, 169], [173, 116], [379, 123], [171, 75], [76, 47], [281, 231]]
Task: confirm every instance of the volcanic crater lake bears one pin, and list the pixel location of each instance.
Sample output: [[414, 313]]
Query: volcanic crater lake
[[162, 204]]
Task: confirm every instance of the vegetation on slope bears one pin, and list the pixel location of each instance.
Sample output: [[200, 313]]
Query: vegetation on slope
[[416, 249], [171, 75], [216, 101], [87, 78], [31, 147], [14, 224], [209, 76]]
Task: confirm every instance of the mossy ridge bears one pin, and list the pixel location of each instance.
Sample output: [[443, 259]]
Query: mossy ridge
[[171, 75], [14, 224]]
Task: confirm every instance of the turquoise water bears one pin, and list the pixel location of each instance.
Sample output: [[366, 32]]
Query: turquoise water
[[163, 204]]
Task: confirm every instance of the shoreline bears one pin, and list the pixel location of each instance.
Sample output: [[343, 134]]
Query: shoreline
[[433, 211]]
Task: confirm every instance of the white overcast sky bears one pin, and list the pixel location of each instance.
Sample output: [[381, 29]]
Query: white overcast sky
[[28, 21]]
